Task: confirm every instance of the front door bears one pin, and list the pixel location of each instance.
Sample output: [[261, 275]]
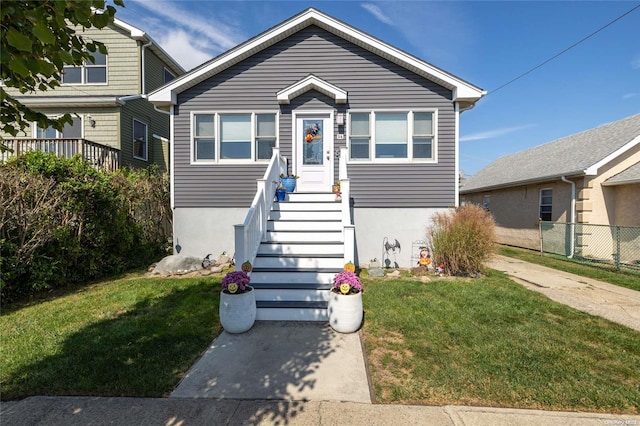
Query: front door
[[313, 152]]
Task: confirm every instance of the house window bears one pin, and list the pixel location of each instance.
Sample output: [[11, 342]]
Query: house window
[[232, 136], [88, 73], [546, 197], [69, 131], [486, 202], [168, 76], [265, 135], [140, 140], [392, 135]]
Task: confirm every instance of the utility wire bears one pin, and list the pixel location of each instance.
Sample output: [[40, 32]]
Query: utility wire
[[563, 52]]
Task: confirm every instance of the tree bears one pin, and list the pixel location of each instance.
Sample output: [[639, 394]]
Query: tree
[[38, 39]]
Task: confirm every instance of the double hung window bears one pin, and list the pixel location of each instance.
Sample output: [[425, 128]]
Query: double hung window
[[380, 136], [233, 136], [546, 201], [140, 145], [88, 73]]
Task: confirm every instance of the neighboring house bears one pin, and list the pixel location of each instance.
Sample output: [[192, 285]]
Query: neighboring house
[[591, 177], [106, 103], [326, 102]]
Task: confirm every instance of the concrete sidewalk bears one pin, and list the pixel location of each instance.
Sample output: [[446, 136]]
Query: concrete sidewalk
[[615, 303], [68, 411]]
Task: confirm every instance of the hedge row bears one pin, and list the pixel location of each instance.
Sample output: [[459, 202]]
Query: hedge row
[[64, 222]]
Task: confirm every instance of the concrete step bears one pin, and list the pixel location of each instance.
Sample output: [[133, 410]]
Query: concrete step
[[301, 236], [304, 225], [328, 197], [294, 275], [284, 295], [306, 206], [299, 261], [297, 248], [292, 311], [310, 215]]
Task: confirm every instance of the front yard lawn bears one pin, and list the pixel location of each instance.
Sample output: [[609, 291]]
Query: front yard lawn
[[487, 341], [128, 337], [491, 342]]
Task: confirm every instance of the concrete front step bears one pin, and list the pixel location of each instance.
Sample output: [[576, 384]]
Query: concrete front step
[[299, 261], [292, 275], [301, 236], [292, 311], [304, 225], [297, 248], [306, 206], [310, 215], [328, 197]]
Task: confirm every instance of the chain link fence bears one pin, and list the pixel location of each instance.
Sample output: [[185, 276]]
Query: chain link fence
[[617, 246]]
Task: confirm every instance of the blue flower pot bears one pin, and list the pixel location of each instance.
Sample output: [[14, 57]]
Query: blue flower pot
[[289, 184], [280, 193]]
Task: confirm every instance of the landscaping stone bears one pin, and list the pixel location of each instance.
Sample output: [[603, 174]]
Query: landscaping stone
[[376, 272], [177, 265], [394, 274]]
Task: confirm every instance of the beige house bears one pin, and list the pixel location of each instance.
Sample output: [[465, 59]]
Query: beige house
[[592, 177], [112, 120]]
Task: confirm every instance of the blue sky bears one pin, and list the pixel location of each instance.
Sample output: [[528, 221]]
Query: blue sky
[[487, 43]]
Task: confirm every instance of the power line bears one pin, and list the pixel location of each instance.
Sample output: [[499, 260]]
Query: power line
[[564, 51]]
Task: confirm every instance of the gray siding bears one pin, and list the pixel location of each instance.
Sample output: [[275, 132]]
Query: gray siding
[[372, 83]]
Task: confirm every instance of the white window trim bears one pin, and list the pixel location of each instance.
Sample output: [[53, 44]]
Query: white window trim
[[254, 147], [372, 152], [83, 68], [146, 140]]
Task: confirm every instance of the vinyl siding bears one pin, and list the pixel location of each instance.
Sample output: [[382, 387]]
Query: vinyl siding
[[371, 82], [157, 123]]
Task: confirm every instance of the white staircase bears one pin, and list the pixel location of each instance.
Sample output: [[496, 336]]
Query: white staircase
[[297, 260]]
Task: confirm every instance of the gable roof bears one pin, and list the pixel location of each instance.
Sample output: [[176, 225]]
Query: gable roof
[[576, 155], [463, 92], [625, 177], [138, 34]]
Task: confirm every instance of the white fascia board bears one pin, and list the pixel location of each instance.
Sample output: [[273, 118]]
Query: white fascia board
[[311, 82], [593, 170], [135, 33], [461, 90]]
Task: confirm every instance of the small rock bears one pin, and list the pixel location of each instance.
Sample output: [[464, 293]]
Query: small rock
[[206, 272], [376, 272], [223, 258], [425, 279], [394, 274], [419, 271], [215, 269]]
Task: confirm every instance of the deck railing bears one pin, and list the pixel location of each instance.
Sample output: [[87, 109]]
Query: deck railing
[[101, 156], [250, 233], [348, 229]]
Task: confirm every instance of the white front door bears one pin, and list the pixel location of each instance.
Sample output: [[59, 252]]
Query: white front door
[[313, 152]]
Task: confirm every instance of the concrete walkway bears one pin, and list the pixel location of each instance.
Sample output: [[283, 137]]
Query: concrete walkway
[[618, 304], [306, 374]]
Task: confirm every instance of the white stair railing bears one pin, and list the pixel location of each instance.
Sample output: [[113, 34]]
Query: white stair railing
[[252, 231], [348, 229]]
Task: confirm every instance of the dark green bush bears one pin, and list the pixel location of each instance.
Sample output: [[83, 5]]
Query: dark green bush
[[64, 222], [463, 239]]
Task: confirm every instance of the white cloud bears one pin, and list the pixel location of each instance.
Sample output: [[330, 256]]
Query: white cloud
[[177, 43], [490, 134], [630, 95], [377, 12]]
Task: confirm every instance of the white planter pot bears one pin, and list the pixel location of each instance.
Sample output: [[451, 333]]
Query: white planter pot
[[345, 312], [238, 311]]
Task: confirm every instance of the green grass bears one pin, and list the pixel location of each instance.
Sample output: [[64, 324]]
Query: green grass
[[491, 342], [128, 337], [622, 278]]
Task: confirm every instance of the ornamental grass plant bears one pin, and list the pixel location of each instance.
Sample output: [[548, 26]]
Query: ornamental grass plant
[[463, 239]]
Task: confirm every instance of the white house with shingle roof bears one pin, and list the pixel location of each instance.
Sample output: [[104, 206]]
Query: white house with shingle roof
[[591, 177]]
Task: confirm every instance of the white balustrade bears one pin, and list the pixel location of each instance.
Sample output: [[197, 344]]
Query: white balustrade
[[348, 229]]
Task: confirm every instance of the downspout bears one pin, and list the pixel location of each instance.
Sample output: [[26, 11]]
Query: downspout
[[144, 85], [572, 215]]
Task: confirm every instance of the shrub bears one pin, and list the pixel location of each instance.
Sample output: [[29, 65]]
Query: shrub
[[463, 239], [63, 222]]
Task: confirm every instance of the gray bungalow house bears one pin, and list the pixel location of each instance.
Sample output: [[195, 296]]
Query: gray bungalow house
[[319, 99], [592, 177]]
